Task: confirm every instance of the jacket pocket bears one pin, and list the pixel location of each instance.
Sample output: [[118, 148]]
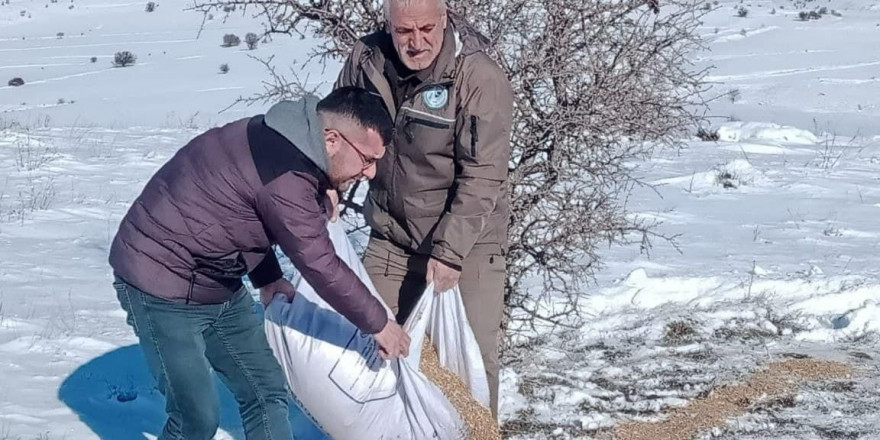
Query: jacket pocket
[[228, 266], [226, 270], [409, 121]]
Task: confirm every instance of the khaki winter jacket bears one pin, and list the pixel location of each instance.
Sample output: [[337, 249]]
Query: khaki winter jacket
[[441, 188]]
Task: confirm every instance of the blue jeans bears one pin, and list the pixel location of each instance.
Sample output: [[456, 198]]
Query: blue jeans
[[183, 342]]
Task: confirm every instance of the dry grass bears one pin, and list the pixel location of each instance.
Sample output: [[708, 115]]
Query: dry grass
[[680, 333], [776, 381], [478, 418]]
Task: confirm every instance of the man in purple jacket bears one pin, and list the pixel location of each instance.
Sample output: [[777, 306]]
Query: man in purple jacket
[[209, 217]]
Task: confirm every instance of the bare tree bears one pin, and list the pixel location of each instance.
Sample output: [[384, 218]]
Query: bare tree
[[598, 85]]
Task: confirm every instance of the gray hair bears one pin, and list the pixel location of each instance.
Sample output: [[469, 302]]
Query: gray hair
[[386, 5]]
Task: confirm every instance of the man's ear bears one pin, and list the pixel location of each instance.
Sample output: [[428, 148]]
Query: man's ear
[[444, 20], [331, 141]]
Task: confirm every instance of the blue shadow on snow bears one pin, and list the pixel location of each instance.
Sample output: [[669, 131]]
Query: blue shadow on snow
[[117, 398]]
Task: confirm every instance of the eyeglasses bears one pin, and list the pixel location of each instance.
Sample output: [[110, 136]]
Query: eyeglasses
[[366, 162]]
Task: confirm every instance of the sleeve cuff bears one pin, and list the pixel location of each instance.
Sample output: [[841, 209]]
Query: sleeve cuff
[[446, 256], [377, 324], [268, 271]]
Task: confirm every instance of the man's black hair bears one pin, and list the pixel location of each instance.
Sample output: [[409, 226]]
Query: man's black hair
[[362, 106]]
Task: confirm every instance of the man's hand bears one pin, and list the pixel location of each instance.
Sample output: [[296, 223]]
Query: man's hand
[[442, 275], [393, 341], [334, 198], [268, 291]]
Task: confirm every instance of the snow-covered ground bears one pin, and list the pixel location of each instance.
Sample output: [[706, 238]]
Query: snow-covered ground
[[777, 231], [778, 254], [776, 224]]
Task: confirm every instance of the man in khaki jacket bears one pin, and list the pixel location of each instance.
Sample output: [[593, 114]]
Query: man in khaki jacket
[[438, 207]]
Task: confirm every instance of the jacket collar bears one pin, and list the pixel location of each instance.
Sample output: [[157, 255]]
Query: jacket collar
[[274, 154]]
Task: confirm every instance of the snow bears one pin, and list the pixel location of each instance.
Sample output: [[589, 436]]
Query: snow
[[175, 82], [775, 225], [766, 132]]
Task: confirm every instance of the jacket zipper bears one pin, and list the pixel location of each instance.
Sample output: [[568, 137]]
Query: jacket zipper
[[474, 136], [192, 282]]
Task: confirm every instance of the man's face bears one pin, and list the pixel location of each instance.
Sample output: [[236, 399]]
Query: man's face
[[352, 152], [417, 32]]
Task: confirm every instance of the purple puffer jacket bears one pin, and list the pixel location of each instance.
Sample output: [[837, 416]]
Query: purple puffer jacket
[[211, 214]]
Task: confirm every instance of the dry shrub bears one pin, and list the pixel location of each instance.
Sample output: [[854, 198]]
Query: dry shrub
[[124, 59], [708, 135], [231, 40], [252, 40]]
